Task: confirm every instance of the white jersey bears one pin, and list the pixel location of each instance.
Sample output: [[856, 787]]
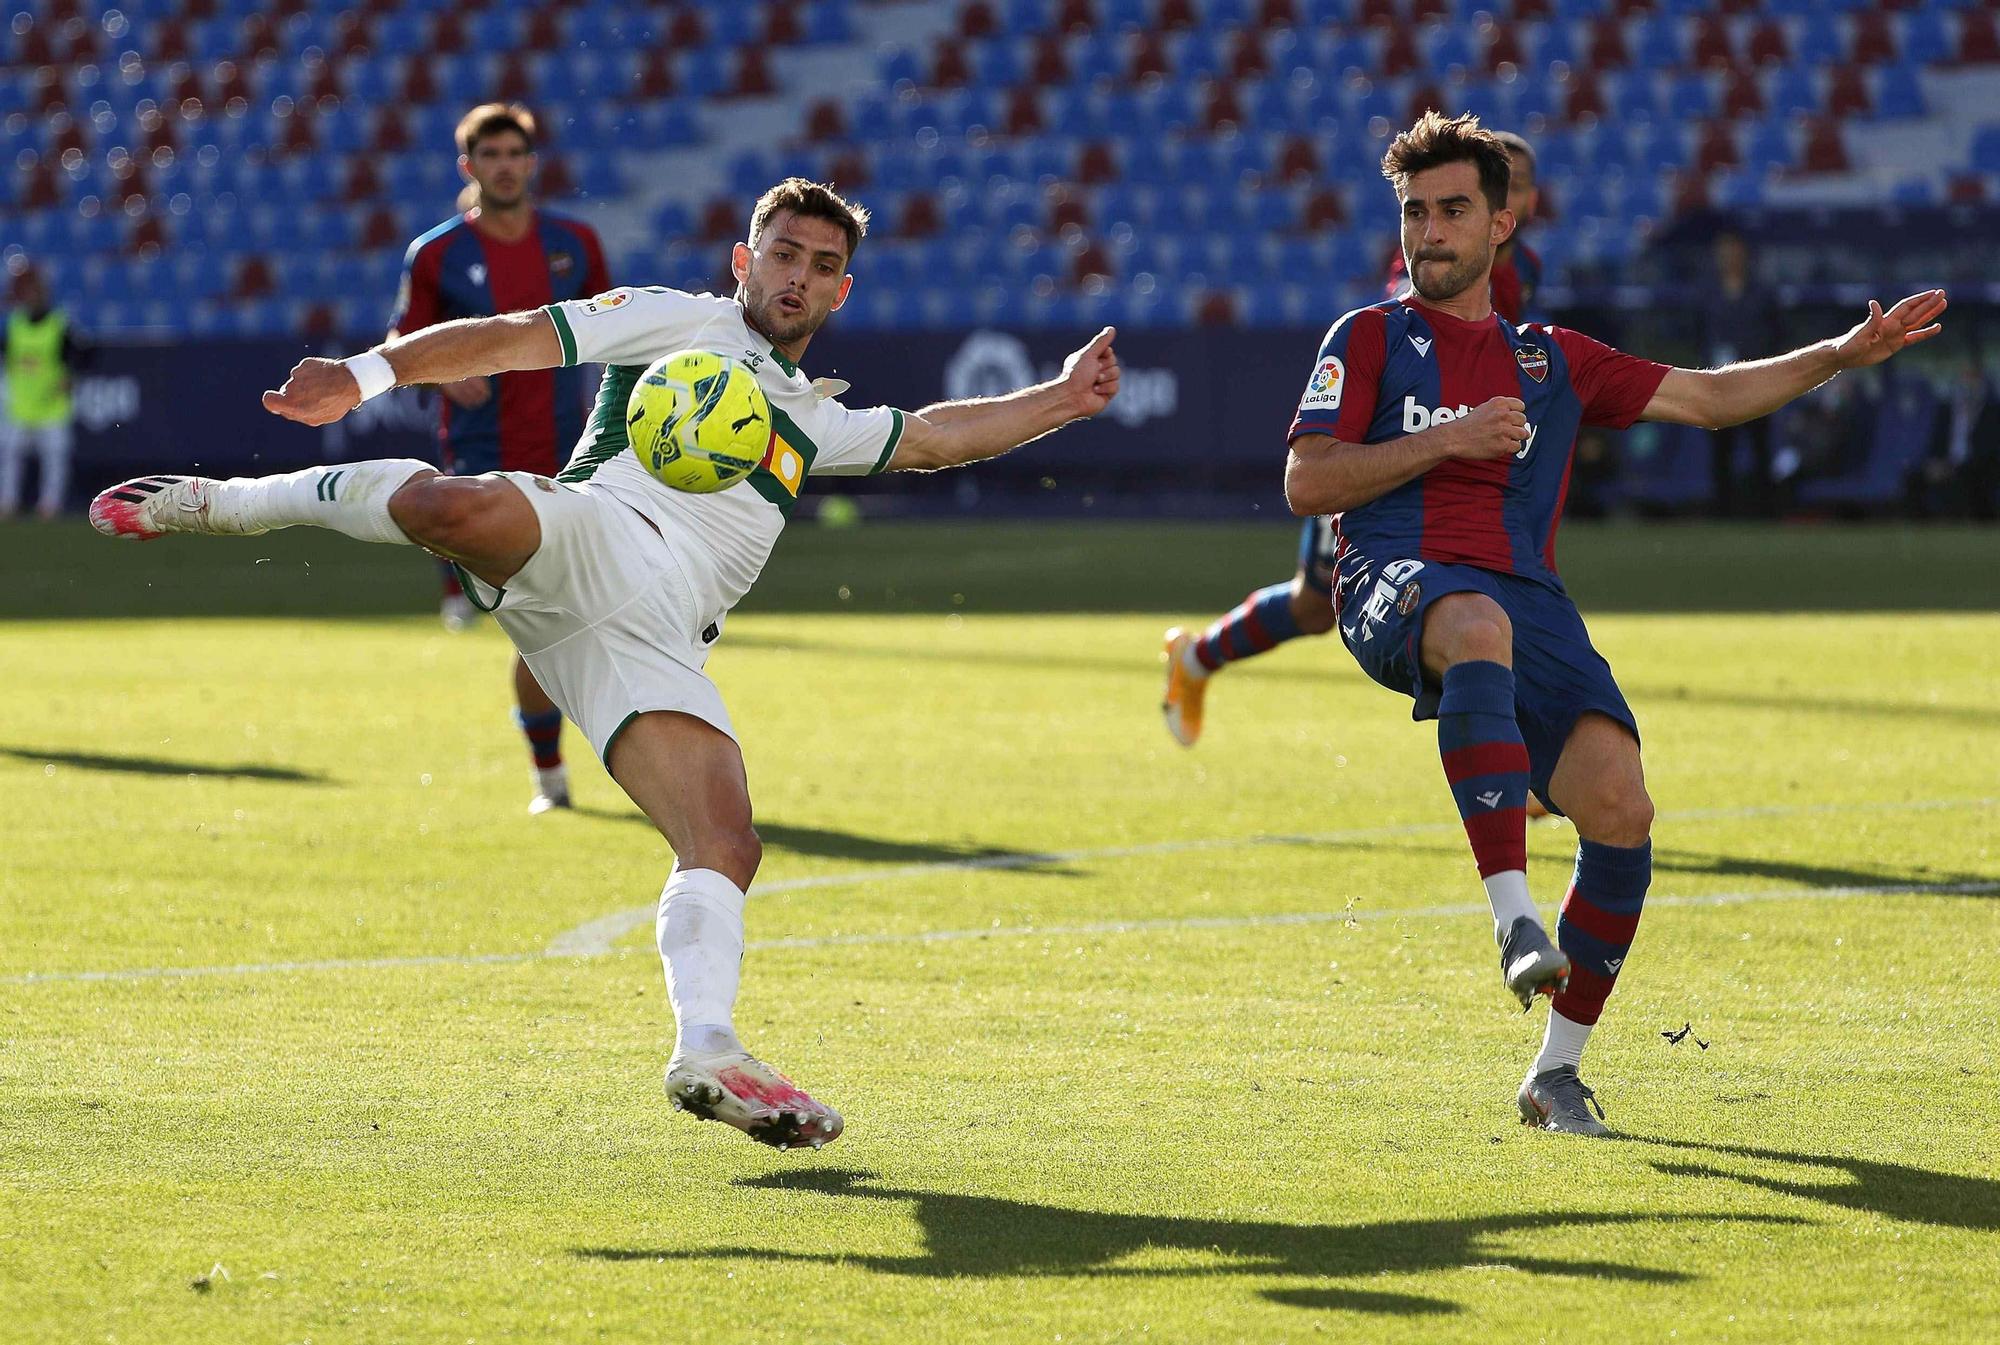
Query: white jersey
[[721, 540]]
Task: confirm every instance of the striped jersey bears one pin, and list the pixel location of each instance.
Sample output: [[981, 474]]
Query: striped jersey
[[1400, 367], [721, 540], [458, 271]]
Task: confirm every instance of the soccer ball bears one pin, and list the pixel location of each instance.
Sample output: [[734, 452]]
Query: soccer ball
[[698, 421]]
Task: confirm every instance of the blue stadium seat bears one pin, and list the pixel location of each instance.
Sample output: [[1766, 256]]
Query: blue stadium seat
[[1819, 42], [1450, 46], [1738, 189], [1554, 43], [1900, 94], [1633, 96], [1925, 40], [1122, 14], [1658, 41], [1692, 97], [402, 33], [1986, 149], [1769, 148], [997, 63], [1098, 56], [829, 21], [1795, 92], [1225, 15], [1170, 109], [1026, 16]]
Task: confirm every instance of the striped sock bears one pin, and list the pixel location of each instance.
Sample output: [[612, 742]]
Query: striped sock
[[544, 732], [1486, 765], [1599, 918], [1261, 622]]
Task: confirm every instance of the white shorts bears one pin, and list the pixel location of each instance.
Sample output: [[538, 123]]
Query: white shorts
[[603, 615]]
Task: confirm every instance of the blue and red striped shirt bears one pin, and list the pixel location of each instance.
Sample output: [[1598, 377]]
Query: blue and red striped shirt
[[1400, 367], [458, 271]]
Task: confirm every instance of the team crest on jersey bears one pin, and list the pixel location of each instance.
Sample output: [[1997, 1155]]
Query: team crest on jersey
[[1534, 362], [1407, 603], [607, 301], [1323, 390]]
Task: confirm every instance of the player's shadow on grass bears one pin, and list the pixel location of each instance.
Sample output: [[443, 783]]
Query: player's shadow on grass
[[130, 765], [1972, 716], [1916, 1195], [980, 1236], [826, 843], [1811, 875]]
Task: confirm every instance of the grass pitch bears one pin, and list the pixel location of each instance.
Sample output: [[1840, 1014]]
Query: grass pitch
[[1134, 1043]]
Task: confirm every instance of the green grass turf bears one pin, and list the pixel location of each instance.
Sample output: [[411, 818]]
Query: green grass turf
[[1195, 1127]]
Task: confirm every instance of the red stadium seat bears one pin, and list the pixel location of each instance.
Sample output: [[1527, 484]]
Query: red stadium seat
[[350, 33], [1825, 150], [1978, 43], [753, 73], [1399, 54], [1607, 45], [39, 192], [392, 135], [718, 220], [364, 183], [1768, 44], [781, 25], [1428, 11], [1220, 107], [1503, 47], [1524, 10], [848, 171], [447, 34], [1585, 99], [1246, 56], [1068, 212], [1874, 42], [1216, 308], [1024, 113], [1325, 210], [148, 237], [1277, 14], [259, 38], [512, 83], [1966, 189], [1149, 57], [544, 31], [380, 230], [1743, 97], [1096, 164], [66, 133], [555, 177], [951, 70], [1847, 95], [688, 33], [190, 9], [1425, 97], [298, 136], [920, 217], [170, 41], [1298, 161], [322, 80], [1076, 16], [1712, 45], [1718, 149], [825, 120], [419, 83], [977, 20], [187, 85], [1091, 260], [1379, 14], [1174, 16], [656, 76], [1049, 66], [253, 279], [161, 131]]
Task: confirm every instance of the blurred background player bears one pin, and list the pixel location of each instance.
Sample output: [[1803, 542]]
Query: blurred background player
[[1739, 321], [41, 354], [503, 255], [1304, 604]]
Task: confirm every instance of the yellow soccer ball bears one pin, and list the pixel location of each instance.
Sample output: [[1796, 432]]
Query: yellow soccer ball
[[698, 421]]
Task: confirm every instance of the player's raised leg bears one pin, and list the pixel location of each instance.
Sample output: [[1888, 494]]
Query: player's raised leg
[[541, 724], [687, 776], [1600, 783], [1468, 645], [1260, 623]]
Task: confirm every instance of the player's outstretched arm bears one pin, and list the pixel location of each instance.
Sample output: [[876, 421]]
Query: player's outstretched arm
[[1715, 398], [951, 434], [1325, 475], [319, 392]]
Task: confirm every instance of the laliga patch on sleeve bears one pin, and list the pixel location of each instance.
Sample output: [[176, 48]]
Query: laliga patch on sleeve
[[605, 302], [1323, 391]]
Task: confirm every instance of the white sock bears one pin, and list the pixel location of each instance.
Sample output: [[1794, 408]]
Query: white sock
[[1508, 893], [1192, 665], [1562, 1044], [552, 781], [700, 931], [350, 498]]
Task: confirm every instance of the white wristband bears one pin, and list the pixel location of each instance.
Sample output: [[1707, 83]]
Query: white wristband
[[372, 371]]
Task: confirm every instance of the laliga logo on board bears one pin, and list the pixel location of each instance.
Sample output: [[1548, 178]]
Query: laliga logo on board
[[1417, 418]]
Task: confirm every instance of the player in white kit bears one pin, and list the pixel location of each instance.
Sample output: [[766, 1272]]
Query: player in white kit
[[613, 586]]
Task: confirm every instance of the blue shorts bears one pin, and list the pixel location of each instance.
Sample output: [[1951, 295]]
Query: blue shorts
[[1558, 676], [1319, 544]]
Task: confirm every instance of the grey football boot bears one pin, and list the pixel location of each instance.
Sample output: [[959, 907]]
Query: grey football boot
[[1530, 961], [1559, 1100]]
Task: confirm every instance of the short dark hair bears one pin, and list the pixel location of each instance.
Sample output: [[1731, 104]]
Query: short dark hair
[[494, 119], [810, 200], [1437, 140]]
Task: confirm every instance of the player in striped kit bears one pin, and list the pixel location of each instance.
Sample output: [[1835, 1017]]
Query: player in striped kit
[[1442, 435], [614, 586], [1284, 611], [504, 255]]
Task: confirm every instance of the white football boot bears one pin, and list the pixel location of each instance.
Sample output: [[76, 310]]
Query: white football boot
[[152, 506], [738, 1089]]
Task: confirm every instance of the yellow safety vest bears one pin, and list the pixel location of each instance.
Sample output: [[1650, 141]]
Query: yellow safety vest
[[37, 383]]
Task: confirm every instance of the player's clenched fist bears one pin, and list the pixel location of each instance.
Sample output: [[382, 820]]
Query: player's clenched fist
[[1494, 429], [318, 392]]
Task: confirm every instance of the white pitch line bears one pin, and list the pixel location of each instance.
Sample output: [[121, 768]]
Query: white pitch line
[[595, 939]]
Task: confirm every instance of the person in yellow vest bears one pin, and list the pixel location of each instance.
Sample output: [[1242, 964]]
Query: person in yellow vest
[[40, 352]]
